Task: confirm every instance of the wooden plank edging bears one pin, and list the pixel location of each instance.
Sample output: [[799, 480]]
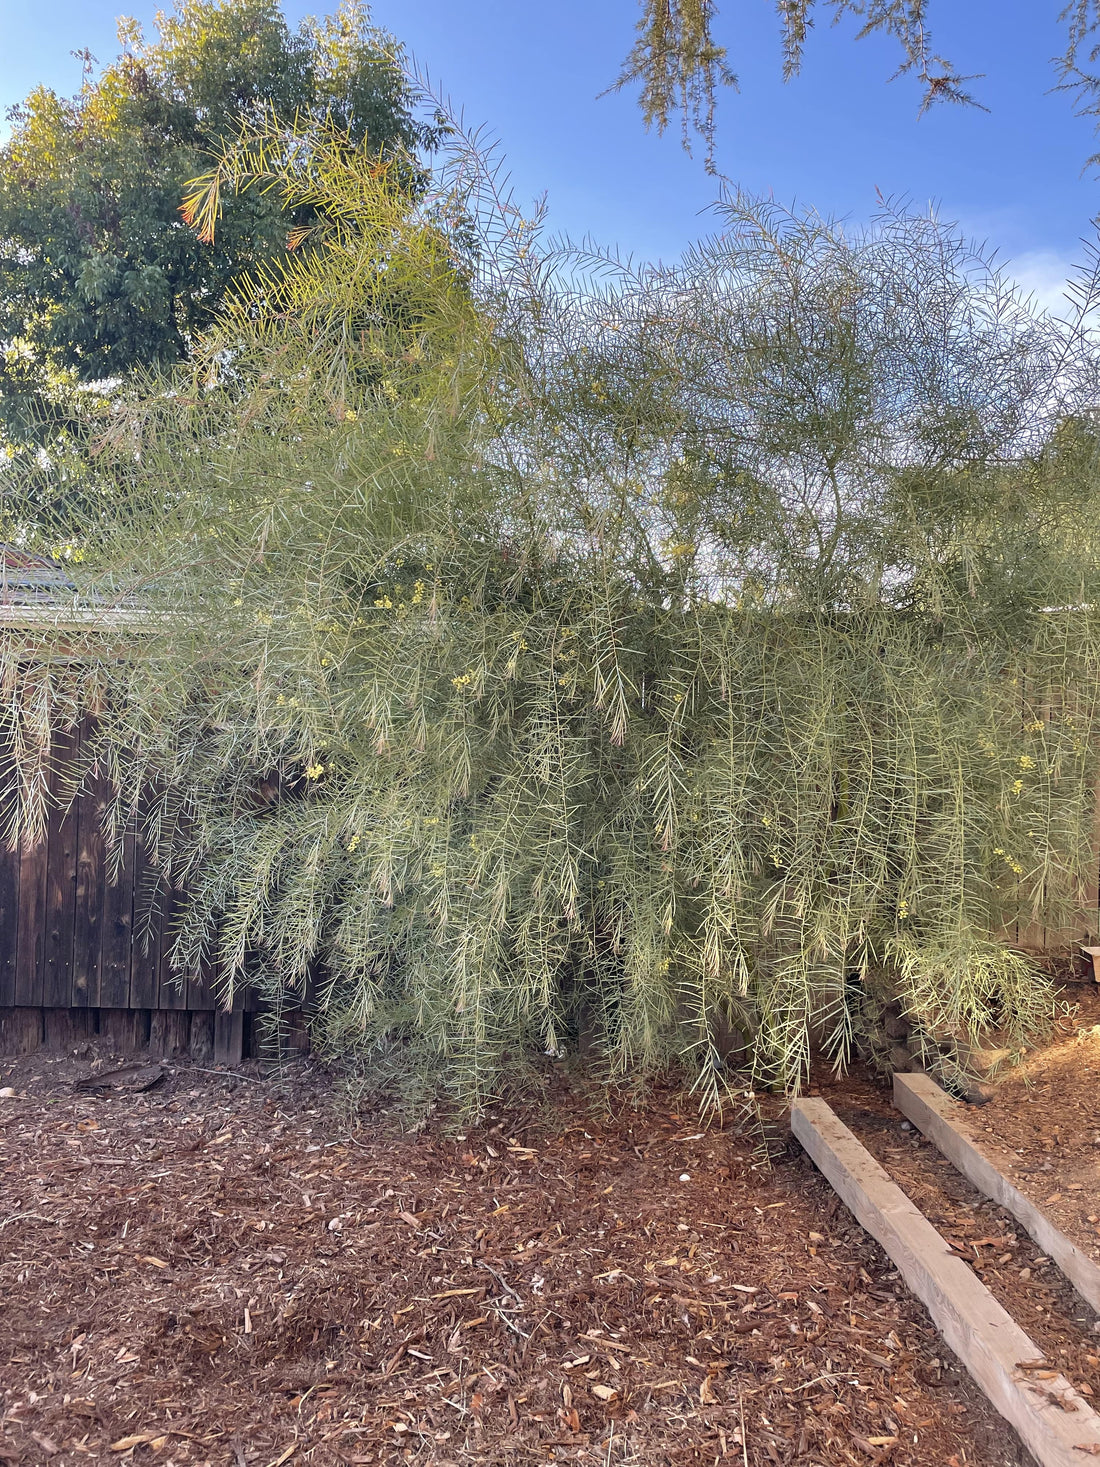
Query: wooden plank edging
[[1055, 1422], [930, 1109]]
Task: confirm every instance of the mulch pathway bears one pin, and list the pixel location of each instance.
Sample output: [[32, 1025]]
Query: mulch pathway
[[220, 1271]]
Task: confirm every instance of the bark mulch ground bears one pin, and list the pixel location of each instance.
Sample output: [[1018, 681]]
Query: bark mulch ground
[[992, 1242], [218, 1271], [1043, 1124]]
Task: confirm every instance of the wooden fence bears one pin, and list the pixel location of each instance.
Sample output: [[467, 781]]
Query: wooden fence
[[82, 953]]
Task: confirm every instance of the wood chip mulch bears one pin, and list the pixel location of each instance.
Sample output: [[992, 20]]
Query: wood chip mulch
[[1043, 1125], [988, 1238], [216, 1270]]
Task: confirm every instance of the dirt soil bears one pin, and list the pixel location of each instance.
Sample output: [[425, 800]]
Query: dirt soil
[[219, 1271], [1043, 1125]]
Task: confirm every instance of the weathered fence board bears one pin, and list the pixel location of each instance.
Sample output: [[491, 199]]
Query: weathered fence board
[[61, 851], [150, 913], [88, 900], [172, 986], [31, 922], [118, 932], [80, 930], [9, 883]]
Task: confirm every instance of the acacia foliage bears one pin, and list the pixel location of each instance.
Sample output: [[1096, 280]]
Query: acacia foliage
[[679, 65], [535, 640]]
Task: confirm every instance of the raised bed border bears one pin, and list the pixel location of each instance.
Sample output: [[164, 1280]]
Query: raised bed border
[[982, 1334], [942, 1120]]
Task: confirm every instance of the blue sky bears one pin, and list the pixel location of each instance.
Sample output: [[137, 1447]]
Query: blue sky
[[531, 73]]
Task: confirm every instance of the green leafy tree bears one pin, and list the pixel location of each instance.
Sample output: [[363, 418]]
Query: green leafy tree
[[679, 65], [99, 273], [671, 646]]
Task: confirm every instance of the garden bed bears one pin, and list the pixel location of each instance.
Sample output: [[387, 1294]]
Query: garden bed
[[1042, 1126], [1013, 1267], [217, 1271]]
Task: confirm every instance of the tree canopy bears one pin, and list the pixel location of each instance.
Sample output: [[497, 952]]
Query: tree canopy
[[680, 64], [99, 273], [579, 646]]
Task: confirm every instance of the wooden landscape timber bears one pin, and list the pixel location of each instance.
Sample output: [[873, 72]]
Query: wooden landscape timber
[[942, 1120], [1054, 1421]]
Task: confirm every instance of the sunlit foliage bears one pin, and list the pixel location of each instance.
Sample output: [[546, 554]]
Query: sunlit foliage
[[535, 644], [99, 274], [679, 65]]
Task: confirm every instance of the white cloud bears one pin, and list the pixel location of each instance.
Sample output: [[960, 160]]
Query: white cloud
[[1043, 274]]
